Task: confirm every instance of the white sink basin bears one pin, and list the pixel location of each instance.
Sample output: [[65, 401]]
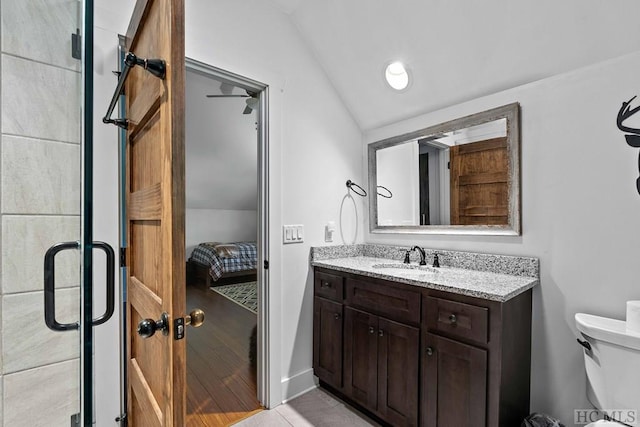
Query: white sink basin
[[406, 268]]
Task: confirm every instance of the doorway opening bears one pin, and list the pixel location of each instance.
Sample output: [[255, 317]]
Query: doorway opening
[[226, 243]]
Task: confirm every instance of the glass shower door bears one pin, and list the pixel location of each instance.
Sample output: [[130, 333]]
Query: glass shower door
[[46, 212]]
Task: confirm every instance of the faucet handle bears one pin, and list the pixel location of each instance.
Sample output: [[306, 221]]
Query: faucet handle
[[436, 260], [406, 257]]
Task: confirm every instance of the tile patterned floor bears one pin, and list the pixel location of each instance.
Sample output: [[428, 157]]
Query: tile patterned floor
[[315, 408]]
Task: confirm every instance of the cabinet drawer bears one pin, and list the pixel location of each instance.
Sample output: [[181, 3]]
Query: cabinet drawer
[[457, 319], [328, 286], [402, 305]]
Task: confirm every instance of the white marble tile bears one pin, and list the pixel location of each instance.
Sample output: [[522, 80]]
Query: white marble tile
[[40, 177], [25, 239], [26, 340], [40, 30], [42, 397], [40, 101]]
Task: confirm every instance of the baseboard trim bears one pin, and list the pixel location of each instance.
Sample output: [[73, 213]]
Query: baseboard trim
[[298, 384]]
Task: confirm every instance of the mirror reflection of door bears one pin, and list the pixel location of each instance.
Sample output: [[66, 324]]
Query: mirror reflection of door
[[479, 183]]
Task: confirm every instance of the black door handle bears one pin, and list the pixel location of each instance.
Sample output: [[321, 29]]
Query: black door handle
[[111, 284], [148, 327], [50, 287]]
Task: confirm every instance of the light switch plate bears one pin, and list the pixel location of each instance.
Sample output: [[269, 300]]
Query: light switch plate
[[293, 233]]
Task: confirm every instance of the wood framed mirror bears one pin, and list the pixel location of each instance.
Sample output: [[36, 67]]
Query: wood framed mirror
[[457, 177]]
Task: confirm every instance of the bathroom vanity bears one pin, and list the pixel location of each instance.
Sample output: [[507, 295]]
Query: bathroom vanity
[[415, 345]]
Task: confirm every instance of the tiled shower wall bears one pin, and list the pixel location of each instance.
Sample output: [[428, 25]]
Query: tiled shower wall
[[39, 206]]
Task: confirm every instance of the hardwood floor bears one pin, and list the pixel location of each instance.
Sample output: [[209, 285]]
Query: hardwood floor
[[221, 383]]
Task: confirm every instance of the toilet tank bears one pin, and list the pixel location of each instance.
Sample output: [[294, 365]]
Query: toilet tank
[[613, 363]]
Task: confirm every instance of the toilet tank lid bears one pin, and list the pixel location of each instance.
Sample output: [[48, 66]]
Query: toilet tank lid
[[608, 330]]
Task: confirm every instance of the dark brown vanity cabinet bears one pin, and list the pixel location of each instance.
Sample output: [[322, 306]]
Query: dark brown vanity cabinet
[[416, 356], [382, 348], [381, 359], [327, 341], [328, 328], [475, 360], [454, 383]]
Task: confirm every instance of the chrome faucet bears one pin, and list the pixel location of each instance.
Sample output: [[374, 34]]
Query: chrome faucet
[[422, 254]]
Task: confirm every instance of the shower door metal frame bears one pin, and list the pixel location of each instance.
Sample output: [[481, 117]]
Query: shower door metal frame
[[86, 231]]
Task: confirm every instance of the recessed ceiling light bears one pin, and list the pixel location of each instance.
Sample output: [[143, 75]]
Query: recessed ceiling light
[[397, 76]]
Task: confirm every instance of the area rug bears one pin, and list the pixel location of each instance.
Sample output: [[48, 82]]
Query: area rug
[[243, 294]]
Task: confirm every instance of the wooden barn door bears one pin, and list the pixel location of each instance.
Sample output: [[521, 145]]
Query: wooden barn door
[[480, 183], [155, 217]]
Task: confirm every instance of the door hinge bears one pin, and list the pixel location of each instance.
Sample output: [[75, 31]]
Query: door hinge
[[123, 257], [76, 44], [75, 420], [266, 264]]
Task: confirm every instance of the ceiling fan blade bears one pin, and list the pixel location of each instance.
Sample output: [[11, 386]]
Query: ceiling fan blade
[[247, 110], [227, 96]]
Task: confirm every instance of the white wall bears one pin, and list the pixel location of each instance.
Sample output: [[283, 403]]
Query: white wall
[[221, 166], [219, 225], [314, 149], [580, 213], [221, 148]]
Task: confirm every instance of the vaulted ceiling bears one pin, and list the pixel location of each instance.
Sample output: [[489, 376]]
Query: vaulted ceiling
[[455, 50]]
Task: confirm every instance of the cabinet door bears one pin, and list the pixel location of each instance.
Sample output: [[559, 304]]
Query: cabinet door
[[454, 380], [361, 356], [398, 359], [327, 341]]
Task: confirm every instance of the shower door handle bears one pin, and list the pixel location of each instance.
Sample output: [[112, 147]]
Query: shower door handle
[[111, 283], [50, 287]]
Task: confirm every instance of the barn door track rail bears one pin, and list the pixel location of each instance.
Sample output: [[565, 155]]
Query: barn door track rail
[[157, 67]]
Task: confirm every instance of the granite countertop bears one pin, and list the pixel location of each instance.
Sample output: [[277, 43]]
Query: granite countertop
[[479, 284]]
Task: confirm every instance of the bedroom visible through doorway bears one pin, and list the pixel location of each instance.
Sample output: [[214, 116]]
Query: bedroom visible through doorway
[[222, 218]]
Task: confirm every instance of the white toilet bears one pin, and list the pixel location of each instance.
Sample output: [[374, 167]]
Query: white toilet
[[612, 364]]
